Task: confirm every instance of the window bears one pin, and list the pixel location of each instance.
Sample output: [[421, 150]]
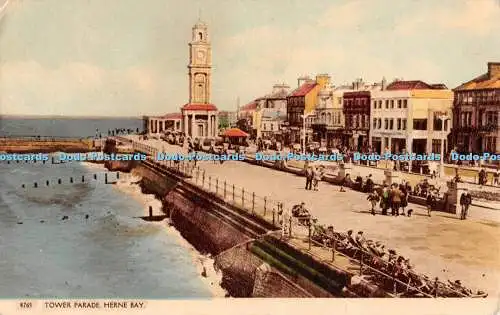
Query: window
[[374, 123], [380, 123], [404, 123], [386, 124], [399, 103], [420, 124], [436, 146], [392, 103], [380, 104], [399, 122], [265, 127], [391, 124], [405, 103], [272, 127], [386, 104]]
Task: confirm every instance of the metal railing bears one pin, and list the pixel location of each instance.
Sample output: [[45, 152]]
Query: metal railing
[[272, 211]]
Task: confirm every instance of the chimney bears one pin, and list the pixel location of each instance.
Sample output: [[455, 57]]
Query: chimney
[[303, 79], [384, 84], [493, 69]]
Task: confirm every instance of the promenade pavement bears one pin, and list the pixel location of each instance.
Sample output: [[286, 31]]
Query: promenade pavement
[[441, 245]]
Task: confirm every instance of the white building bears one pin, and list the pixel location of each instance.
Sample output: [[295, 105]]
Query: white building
[[405, 117]]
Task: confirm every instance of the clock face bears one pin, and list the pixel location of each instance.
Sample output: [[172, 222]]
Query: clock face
[[200, 55]]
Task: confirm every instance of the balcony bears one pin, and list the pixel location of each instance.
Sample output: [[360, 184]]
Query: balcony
[[488, 128]]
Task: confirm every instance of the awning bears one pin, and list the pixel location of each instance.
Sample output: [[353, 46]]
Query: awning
[[235, 133]]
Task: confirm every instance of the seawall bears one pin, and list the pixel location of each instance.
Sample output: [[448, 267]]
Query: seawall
[[248, 251]]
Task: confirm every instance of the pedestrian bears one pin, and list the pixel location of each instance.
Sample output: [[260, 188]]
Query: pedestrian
[[396, 200], [465, 202], [429, 203], [373, 197], [369, 184], [309, 178], [496, 178], [404, 198], [384, 202], [344, 182], [317, 175], [482, 177]]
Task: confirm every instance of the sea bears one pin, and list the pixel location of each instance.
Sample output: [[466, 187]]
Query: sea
[[70, 127], [86, 240]]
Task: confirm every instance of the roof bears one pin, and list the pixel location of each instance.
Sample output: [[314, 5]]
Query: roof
[[304, 89], [234, 133], [173, 116], [414, 85], [481, 82], [250, 106], [207, 107]]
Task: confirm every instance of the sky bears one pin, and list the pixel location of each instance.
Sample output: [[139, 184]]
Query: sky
[[129, 57]]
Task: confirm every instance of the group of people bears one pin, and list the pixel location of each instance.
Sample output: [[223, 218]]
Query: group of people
[[394, 197], [314, 174], [388, 262]]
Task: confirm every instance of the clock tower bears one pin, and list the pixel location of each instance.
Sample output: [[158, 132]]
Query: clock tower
[[200, 65]]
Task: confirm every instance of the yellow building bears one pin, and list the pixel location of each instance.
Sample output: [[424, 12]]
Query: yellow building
[[303, 101]]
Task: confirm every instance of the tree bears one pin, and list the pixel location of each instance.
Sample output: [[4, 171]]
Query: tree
[[243, 125], [223, 123]]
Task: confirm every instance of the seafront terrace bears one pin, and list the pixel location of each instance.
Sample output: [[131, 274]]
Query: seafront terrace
[[439, 246]]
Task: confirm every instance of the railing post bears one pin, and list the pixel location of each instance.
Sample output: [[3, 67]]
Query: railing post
[[209, 183], [265, 205], [361, 264], [224, 190], [243, 197], [253, 202], [333, 248], [216, 186], [203, 179], [274, 212], [290, 226], [233, 192], [309, 233], [436, 287]]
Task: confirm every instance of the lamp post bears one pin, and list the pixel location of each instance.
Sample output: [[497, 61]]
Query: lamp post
[[304, 132], [443, 117]]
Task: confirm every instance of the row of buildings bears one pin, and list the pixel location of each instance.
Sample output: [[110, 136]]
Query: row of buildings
[[411, 116]]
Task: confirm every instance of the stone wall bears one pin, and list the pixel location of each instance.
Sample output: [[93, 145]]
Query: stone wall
[[40, 146], [270, 283]]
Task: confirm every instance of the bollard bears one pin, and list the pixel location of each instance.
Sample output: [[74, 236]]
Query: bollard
[[253, 202], [105, 178], [117, 175], [95, 176], [83, 178], [71, 180], [224, 190], [47, 183], [150, 211], [265, 205], [35, 185], [59, 181]]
